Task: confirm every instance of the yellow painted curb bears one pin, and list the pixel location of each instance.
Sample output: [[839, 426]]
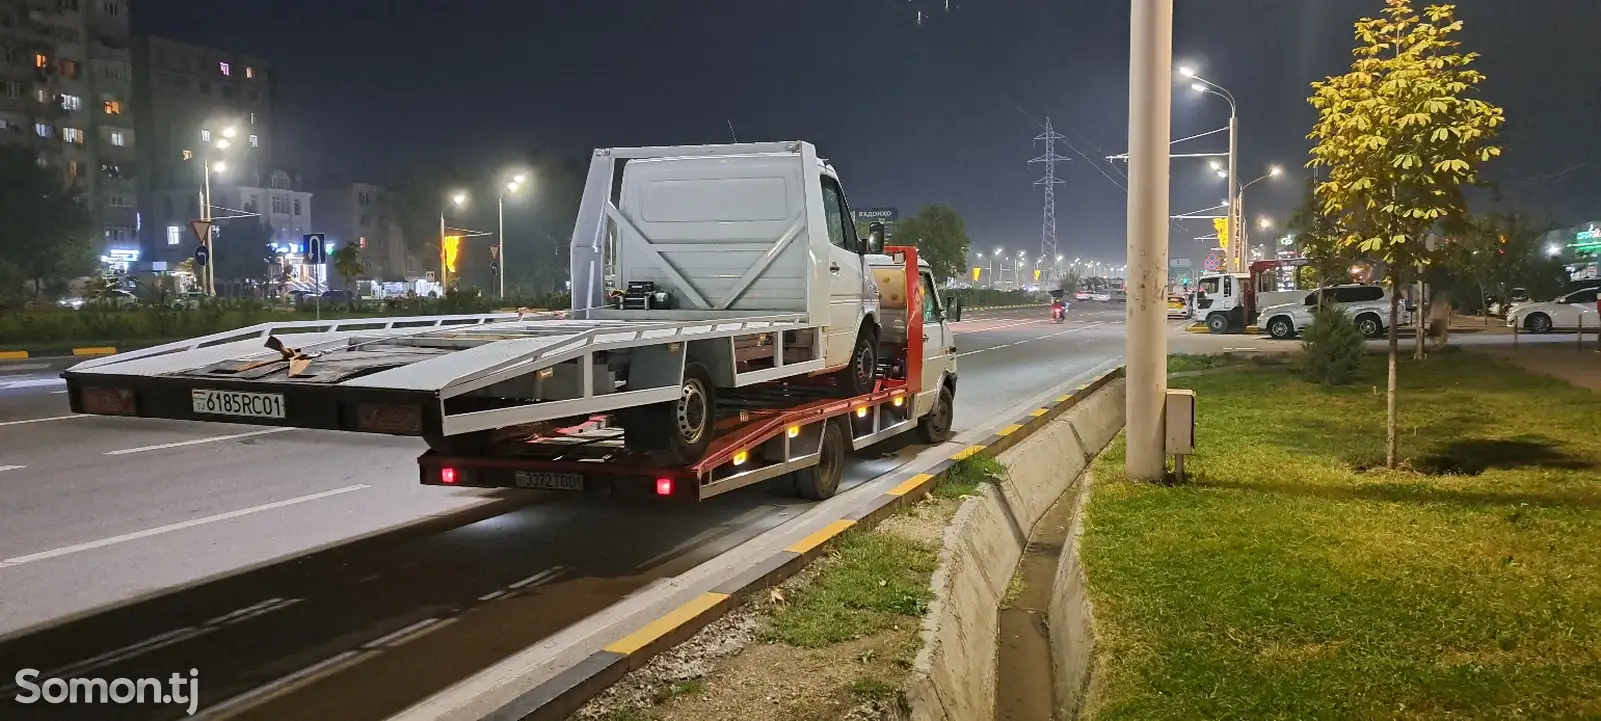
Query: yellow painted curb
[[662, 626], [13, 354], [98, 350], [820, 536]]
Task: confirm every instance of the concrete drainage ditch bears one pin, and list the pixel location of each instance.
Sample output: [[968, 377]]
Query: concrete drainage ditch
[[1040, 636]]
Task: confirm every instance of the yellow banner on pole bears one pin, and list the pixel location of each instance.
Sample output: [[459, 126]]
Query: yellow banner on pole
[[976, 271], [450, 251], [1036, 274], [1222, 226]]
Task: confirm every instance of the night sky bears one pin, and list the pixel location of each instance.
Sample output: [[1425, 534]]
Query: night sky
[[910, 113]]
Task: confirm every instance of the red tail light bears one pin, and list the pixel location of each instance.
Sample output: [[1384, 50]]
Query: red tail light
[[664, 486], [447, 475]]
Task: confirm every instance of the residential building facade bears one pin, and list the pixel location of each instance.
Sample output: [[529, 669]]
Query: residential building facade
[[66, 89], [207, 106], [367, 216]]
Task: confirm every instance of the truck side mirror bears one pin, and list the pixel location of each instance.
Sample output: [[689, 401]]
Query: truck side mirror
[[875, 237]]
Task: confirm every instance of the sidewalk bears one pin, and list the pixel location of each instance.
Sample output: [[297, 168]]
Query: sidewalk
[[1559, 360]]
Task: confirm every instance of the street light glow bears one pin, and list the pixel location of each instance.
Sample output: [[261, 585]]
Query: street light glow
[[512, 186], [222, 145], [1186, 71], [459, 198], [1274, 171], [229, 132], [1553, 250], [518, 178], [1223, 174], [1198, 87], [219, 167], [1264, 222]]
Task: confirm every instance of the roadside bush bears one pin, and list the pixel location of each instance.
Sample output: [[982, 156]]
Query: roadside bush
[[987, 297], [1332, 348]]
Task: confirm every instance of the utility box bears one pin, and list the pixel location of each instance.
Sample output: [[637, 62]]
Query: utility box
[[1180, 408]]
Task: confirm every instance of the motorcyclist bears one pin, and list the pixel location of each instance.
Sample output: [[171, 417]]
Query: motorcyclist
[[1058, 307]]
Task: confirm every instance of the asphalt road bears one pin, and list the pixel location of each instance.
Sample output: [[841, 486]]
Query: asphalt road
[[306, 574]]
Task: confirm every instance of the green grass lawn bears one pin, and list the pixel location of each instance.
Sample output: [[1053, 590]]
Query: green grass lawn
[[1295, 578]]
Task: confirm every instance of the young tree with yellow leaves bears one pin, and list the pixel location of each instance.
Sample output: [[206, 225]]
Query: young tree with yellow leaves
[[1400, 135]]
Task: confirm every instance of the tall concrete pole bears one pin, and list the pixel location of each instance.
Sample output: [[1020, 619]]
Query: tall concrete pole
[[1235, 236], [1149, 113]]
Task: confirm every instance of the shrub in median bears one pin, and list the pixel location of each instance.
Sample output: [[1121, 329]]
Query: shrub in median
[[1332, 348]]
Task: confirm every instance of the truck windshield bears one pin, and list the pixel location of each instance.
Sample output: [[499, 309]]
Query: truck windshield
[[1209, 285]]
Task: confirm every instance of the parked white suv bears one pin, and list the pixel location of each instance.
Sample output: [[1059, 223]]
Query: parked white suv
[[1367, 305]]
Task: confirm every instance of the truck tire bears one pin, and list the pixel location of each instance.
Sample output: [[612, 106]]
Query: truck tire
[[1217, 323], [1281, 328], [935, 427], [466, 444], [821, 481], [680, 431], [860, 376]]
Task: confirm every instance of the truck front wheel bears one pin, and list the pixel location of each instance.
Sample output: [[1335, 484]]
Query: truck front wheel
[[821, 481], [1217, 323], [935, 428]]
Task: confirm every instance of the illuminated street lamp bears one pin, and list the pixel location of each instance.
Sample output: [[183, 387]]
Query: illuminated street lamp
[[512, 186], [208, 276], [1202, 85]]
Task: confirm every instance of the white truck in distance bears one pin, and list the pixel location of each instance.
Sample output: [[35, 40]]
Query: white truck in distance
[[698, 272]]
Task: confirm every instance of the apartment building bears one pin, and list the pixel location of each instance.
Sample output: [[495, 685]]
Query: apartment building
[[204, 107], [367, 216], [66, 90]]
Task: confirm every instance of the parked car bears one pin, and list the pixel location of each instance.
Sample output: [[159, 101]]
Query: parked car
[[1082, 294], [1102, 296], [1177, 307], [1367, 305], [112, 298], [1574, 310], [188, 300]]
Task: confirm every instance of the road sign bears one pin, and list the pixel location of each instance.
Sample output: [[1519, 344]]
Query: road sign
[[1213, 262], [494, 267], [494, 252], [201, 256], [201, 229], [316, 250]]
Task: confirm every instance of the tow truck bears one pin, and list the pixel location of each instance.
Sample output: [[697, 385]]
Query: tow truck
[[1229, 302], [727, 327]]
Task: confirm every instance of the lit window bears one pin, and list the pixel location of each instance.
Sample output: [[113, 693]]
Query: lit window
[[188, 154], [118, 138], [225, 69], [42, 95], [250, 73], [205, 136], [44, 130], [72, 135], [40, 60], [174, 235], [113, 107], [252, 118], [71, 102], [255, 142]]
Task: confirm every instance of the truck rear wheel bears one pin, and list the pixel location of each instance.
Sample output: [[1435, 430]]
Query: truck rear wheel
[[680, 431], [821, 481], [861, 375]]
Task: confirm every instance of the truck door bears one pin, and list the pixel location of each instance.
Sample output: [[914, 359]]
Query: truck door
[[848, 281], [939, 342]]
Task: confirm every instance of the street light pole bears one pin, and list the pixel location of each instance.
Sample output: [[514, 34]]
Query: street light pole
[[1150, 109], [500, 239], [209, 278], [1234, 188]]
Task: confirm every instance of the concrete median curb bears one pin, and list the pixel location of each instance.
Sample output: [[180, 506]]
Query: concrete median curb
[[58, 352], [566, 691], [953, 676]]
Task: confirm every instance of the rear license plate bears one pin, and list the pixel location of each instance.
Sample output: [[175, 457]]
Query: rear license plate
[[550, 481], [238, 403]]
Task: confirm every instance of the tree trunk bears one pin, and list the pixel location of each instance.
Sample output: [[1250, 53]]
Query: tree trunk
[[1391, 439], [1422, 308]]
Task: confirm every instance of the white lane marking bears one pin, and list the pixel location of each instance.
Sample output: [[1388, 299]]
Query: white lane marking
[[169, 638], [1027, 340], [57, 393], [322, 669], [11, 468], [196, 442], [42, 420], [169, 528], [999, 327], [32, 383], [5, 369]]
